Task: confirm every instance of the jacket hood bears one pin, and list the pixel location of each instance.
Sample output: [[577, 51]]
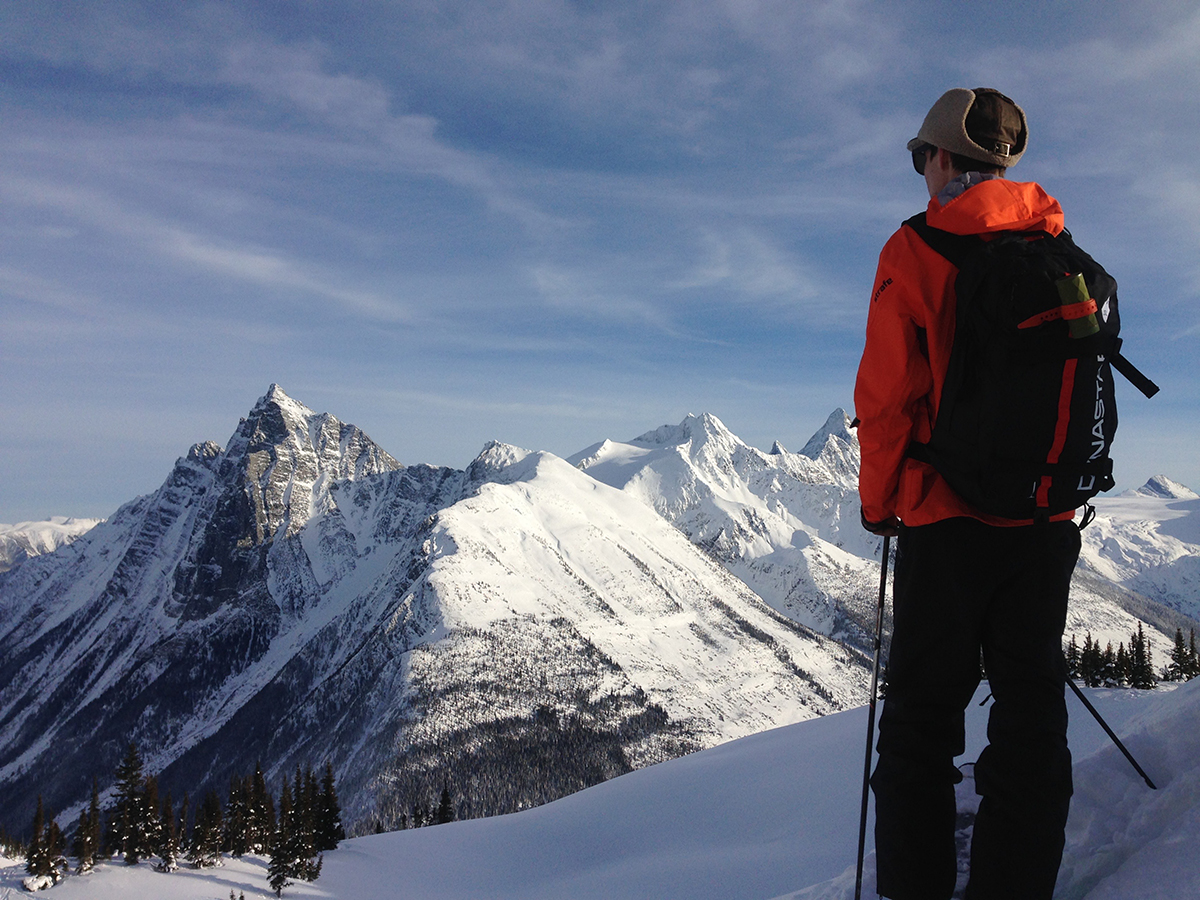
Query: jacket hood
[[998, 205]]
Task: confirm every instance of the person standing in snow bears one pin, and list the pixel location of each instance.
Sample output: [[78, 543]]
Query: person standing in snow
[[965, 582]]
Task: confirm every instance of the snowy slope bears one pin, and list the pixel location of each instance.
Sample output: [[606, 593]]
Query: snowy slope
[[773, 815], [1148, 540], [27, 539], [784, 523]]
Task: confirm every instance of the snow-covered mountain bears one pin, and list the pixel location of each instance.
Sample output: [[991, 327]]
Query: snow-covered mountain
[[518, 628], [25, 539], [1148, 540], [784, 523]]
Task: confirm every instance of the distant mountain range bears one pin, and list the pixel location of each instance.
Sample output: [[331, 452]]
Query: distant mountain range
[[516, 630], [25, 539]]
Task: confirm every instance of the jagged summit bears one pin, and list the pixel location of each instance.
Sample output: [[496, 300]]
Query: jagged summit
[[495, 457], [1164, 487], [777, 449], [837, 426], [692, 428]]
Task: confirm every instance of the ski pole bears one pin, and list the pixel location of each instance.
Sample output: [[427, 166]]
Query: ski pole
[[862, 819], [1109, 731]]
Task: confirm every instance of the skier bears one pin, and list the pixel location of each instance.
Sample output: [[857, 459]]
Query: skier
[[966, 582]]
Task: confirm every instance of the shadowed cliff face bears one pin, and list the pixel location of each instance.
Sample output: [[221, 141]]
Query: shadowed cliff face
[[140, 627]]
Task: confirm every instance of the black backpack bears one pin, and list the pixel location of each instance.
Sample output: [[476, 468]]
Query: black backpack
[[1027, 413]]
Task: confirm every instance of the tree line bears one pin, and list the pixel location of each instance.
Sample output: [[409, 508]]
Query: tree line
[[1132, 667], [142, 825]]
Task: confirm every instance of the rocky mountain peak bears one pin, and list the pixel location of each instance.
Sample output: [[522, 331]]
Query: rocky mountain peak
[[702, 430], [837, 426], [1164, 487]]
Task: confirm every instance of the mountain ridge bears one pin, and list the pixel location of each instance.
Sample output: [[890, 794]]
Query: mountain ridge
[[299, 595]]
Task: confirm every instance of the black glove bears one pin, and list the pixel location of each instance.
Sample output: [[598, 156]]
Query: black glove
[[889, 527]]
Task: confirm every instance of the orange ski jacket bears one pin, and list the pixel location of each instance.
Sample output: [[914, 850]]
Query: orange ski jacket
[[910, 331]]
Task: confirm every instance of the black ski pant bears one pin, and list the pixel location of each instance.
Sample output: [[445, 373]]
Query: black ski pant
[[962, 588]]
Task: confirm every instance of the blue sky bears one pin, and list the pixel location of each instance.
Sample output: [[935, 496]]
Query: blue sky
[[536, 221]]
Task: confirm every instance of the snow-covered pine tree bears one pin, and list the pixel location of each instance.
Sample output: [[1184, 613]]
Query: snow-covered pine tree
[[82, 847], [94, 821], [1090, 662], [9, 845], [205, 847], [1072, 658], [151, 821], [128, 816], [56, 846], [37, 854], [1176, 669], [1123, 668], [281, 867], [260, 814], [1108, 674], [329, 814], [308, 864], [236, 841], [168, 840], [1141, 665], [185, 840]]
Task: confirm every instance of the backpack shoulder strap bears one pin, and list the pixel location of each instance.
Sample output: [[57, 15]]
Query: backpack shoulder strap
[[954, 247]]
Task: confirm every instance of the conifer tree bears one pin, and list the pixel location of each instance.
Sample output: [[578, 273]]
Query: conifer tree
[[86, 846], [56, 845], [205, 849], [329, 814], [152, 825], [1177, 668], [1123, 668], [1090, 662], [281, 867], [445, 808], [308, 864], [1072, 657], [1194, 666], [1141, 666], [81, 847], [94, 817], [168, 841], [1109, 676], [236, 837], [260, 814], [134, 823], [305, 813], [185, 841], [37, 854]]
